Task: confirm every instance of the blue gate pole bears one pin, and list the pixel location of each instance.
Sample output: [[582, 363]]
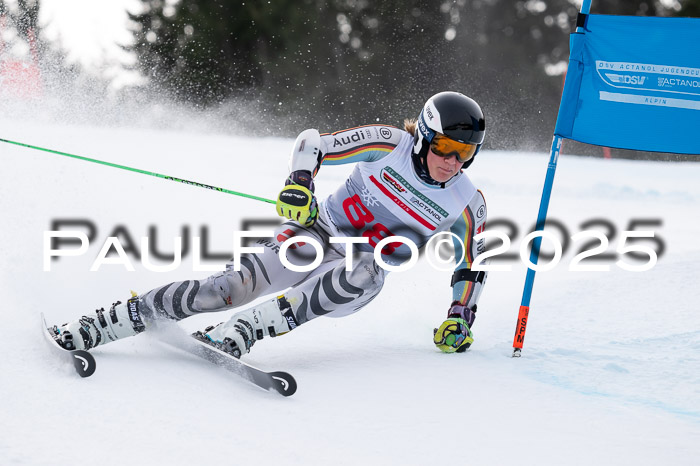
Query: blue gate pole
[[524, 310], [536, 243], [585, 9]]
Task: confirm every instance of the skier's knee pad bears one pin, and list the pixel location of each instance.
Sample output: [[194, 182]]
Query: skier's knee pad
[[214, 293], [366, 274]]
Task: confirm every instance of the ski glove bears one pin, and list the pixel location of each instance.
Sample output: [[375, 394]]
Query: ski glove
[[296, 201], [454, 335]]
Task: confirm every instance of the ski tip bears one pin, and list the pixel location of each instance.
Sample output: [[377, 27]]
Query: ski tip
[[284, 383], [83, 362]]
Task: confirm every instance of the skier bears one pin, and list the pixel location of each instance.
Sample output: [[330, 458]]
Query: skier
[[405, 182]]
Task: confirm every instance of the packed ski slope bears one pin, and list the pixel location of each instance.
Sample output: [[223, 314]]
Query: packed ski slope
[[610, 373]]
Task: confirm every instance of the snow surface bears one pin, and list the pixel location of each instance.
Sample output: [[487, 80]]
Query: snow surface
[[610, 373]]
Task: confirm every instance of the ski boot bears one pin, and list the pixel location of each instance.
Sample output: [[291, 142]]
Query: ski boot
[[122, 320], [237, 335]]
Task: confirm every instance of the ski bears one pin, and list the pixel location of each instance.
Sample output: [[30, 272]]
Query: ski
[[83, 362], [282, 382]]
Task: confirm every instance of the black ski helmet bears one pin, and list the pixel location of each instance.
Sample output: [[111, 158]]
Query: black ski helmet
[[456, 116]]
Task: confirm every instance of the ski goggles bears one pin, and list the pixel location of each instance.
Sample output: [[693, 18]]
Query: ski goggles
[[443, 146]]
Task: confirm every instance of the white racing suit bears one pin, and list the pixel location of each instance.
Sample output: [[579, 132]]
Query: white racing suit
[[382, 197], [330, 288]]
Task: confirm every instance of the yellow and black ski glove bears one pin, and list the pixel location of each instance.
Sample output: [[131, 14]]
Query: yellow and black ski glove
[[454, 335], [296, 201]]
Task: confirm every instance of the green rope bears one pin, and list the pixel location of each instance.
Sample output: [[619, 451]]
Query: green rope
[[144, 172]]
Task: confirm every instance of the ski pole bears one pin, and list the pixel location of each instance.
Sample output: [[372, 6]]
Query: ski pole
[[137, 170]]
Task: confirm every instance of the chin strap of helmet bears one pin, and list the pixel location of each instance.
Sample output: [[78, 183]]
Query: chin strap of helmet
[[420, 164], [421, 169]]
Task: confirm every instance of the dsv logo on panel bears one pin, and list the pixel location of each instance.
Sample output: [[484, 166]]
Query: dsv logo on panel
[[626, 79]]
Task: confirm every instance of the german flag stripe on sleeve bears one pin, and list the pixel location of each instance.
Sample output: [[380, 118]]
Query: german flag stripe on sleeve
[[467, 292], [358, 151], [468, 218]]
